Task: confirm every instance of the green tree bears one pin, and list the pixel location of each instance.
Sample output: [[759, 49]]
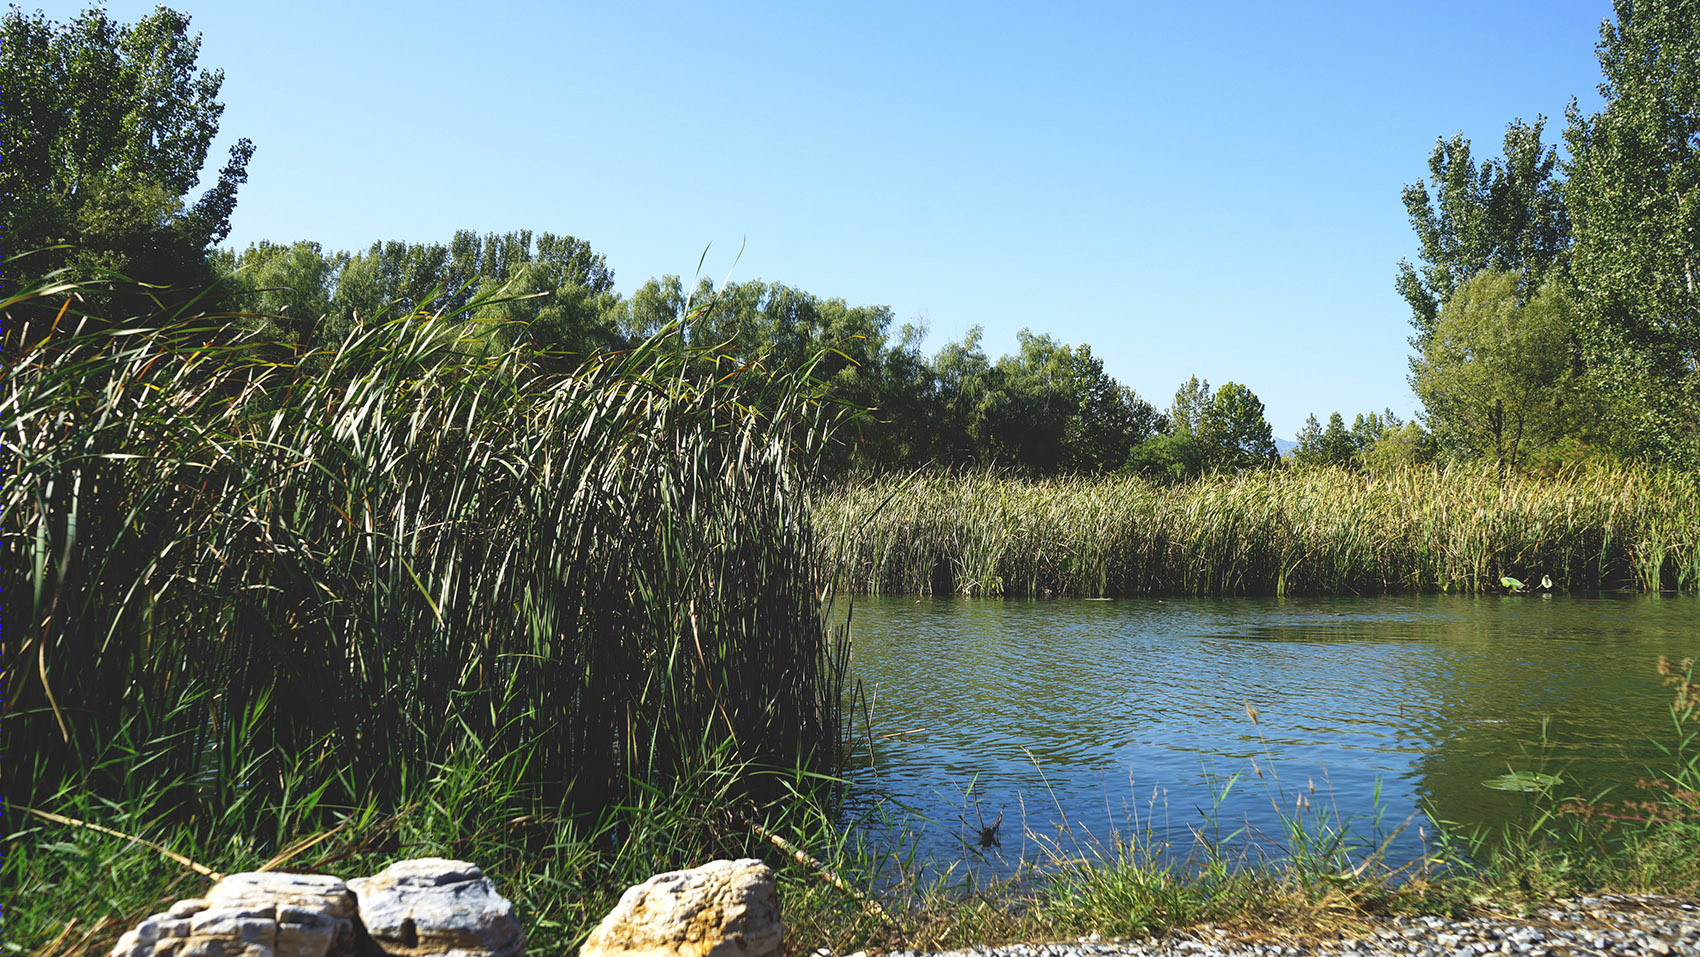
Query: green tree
[[1186, 413], [560, 321], [961, 376], [1055, 409], [655, 305], [1339, 446], [1108, 421], [285, 287], [1400, 446], [1233, 430], [1497, 379], [558, 292], [1369, 428], [106, 129], [1227, 424], [910, 423], [1331, 446], [1506, 214], [1168, 458], [1634, 196]]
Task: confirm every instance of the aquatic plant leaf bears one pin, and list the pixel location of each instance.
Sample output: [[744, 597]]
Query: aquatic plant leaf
[[1522, 781], [1511, 583]]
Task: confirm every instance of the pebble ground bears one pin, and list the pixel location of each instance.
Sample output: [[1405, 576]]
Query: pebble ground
[[1605, 926]]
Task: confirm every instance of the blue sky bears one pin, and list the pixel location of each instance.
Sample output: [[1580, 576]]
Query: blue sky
[[1208, 188]]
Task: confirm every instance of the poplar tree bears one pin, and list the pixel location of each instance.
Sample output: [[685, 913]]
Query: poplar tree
[[1506, 214], [1634, 200]]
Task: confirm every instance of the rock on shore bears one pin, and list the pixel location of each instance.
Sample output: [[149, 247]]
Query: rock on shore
[[429, 907], [722, 909]]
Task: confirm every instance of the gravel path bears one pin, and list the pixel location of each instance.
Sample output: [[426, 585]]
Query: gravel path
[[1617, 926]]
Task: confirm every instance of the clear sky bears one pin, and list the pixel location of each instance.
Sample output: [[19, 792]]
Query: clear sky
[[1205, 188]]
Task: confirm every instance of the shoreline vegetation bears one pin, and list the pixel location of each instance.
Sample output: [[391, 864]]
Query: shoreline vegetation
[[322, 610], [396, 595], [1308, 531], [318, 559]]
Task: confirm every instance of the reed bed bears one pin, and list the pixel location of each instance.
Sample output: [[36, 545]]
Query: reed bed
[[1314, 531], [241, 575]]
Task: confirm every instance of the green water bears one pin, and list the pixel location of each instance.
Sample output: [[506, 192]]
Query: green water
[[1092, 719]]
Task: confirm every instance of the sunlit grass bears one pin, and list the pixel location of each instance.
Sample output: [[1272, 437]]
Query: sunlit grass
[[1313, 531]]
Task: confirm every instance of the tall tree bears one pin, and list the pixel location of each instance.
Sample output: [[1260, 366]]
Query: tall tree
[[1340, 446], [1506, 214], [560, 287], [105, 129], [1234, 431], [1052, 408], [962, 376], [1634, 196], [286, 286], [1192, 400], [1330, 446], [1496, 379]]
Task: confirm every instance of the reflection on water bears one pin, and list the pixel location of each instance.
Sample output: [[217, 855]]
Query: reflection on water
[[1132, 715]]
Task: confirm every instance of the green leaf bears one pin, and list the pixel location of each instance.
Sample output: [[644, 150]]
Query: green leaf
[[1522, 781], [1511, 583]]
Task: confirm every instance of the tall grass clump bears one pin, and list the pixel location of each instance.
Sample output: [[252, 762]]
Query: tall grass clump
[[238, 576], [1313, 531], [1640, 838]]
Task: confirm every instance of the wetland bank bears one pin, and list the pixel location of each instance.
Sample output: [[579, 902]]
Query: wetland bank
[[318, 559], [381, 600]]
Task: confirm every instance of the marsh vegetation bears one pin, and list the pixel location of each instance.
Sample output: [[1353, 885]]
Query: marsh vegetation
[[318, 559]]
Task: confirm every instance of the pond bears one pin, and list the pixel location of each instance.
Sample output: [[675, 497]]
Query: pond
[[1078, 721]]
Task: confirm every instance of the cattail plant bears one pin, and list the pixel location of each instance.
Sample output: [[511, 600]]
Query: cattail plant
[[232, 568], [1316, 531]]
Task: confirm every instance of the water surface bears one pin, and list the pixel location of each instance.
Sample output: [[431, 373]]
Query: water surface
[[1125, 717]]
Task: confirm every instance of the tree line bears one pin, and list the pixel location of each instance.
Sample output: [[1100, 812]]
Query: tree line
[[1554, 304], [1049, 408], [108, 125]]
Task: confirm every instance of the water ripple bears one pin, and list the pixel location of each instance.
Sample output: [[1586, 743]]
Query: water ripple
[[1086, 712]]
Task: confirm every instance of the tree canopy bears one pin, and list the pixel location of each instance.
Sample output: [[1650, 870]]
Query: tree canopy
[[1634, 197], [1620, 234], [1497, 377], [1507, 214], [106, 129]]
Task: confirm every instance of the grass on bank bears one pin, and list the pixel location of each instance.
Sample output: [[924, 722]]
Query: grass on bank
[[72, 890], [410, 596], [410, 593], [1311, 531]]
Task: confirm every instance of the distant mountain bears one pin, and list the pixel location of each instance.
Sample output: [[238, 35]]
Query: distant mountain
[[1285, 448]]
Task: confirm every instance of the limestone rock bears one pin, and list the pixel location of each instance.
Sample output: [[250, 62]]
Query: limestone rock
[[260, 914], [432, 906], [721, 909]]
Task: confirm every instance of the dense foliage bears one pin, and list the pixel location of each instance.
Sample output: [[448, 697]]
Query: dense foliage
[[1602, 266], [105, 129], [1634, 194], [1506, 215], [325, 557], [381, 554], [1051, 408]]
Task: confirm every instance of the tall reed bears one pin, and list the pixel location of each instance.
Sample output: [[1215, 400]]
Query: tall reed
[[1315, 531], [343, 569]]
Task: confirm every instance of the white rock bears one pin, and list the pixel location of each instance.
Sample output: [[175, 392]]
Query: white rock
[[721, 909], [261, 914], [432, 906]]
